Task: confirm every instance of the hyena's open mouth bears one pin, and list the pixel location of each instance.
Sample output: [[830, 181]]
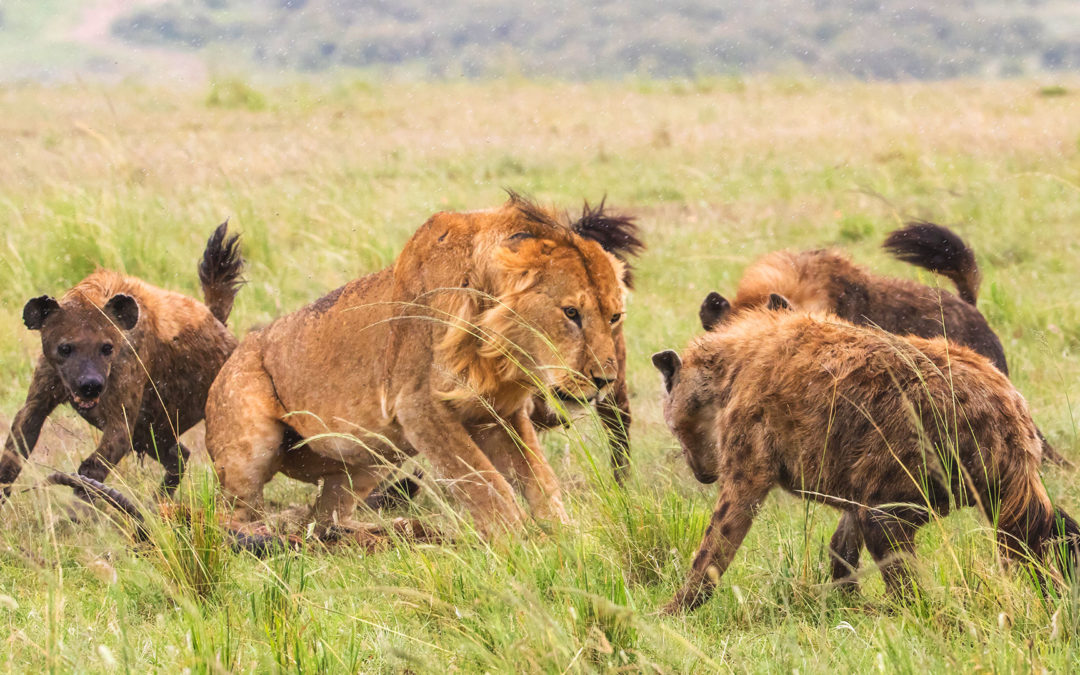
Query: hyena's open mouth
[[84, 403]]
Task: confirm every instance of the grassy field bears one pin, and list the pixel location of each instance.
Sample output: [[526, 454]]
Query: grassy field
[[327, 181]]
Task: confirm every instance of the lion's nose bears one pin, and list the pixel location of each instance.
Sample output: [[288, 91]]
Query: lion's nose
[[601, 382]]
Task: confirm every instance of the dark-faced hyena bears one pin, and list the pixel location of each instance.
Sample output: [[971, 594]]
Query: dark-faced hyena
[[133, 360], [885, 428]]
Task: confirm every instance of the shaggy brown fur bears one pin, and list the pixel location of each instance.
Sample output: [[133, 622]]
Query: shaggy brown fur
[[133, 360], [884, 427], [828, 281], [438, 355]]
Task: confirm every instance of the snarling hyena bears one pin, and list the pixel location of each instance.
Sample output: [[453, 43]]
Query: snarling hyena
[[133, 360], [886, 428]]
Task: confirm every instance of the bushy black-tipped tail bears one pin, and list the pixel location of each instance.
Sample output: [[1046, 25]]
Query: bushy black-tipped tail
[[939, 250], [220, 271]]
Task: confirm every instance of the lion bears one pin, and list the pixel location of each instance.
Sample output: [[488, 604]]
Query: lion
[[888, 429], [618, 235], [437, 355]]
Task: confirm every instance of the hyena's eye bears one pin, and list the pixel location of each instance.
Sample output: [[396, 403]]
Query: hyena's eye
[[615, 318], [64, 350], [106, 349]]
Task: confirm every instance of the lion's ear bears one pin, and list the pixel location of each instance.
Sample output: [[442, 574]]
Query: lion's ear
[[514, 241], [778, 302], [714, 309], [668, 363]]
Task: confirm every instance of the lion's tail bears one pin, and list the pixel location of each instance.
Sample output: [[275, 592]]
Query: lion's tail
[[939, 250], [220, 271]]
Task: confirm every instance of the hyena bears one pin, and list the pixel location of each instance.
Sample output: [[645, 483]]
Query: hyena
[[828, 281], [133, 360], [887, 428]]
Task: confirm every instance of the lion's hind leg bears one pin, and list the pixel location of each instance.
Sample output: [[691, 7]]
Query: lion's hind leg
[[244, 434]]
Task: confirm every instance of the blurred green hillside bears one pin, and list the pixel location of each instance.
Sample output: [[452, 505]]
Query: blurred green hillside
[[871, 39]]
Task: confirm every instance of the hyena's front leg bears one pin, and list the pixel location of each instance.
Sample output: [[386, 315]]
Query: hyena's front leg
[[115, 445], [46, 392], [728, 526], [614, 412], [174, 460]]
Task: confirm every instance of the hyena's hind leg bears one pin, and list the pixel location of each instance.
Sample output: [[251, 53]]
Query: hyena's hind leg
[[844, 549], [889, 533]]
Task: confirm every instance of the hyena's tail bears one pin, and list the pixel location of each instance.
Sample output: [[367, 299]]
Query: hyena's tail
[[939, 250], [220, 271]]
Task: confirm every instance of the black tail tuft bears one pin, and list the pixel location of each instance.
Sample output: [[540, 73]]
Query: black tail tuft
[[220, 271], [939, 250], [618, 235]]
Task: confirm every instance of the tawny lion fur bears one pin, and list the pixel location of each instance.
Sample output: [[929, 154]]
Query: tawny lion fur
[[133, 360], [885, 428], [438, 355]]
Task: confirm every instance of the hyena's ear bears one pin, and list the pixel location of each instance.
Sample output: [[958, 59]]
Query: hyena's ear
[[123, 310], [778, 302], [668, 363], [714, 309], [37, 310]]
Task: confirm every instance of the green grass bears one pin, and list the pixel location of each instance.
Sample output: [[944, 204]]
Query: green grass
[[327, 182]]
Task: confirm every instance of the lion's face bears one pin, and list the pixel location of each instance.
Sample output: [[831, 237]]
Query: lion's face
[[536, 306], [563, 321]]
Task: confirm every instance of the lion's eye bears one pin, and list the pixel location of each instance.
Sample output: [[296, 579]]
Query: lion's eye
[[615, 318], [64, 350], [572, 314], [107, 349]]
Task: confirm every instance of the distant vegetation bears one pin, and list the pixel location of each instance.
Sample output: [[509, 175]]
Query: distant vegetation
[[873, 39]]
